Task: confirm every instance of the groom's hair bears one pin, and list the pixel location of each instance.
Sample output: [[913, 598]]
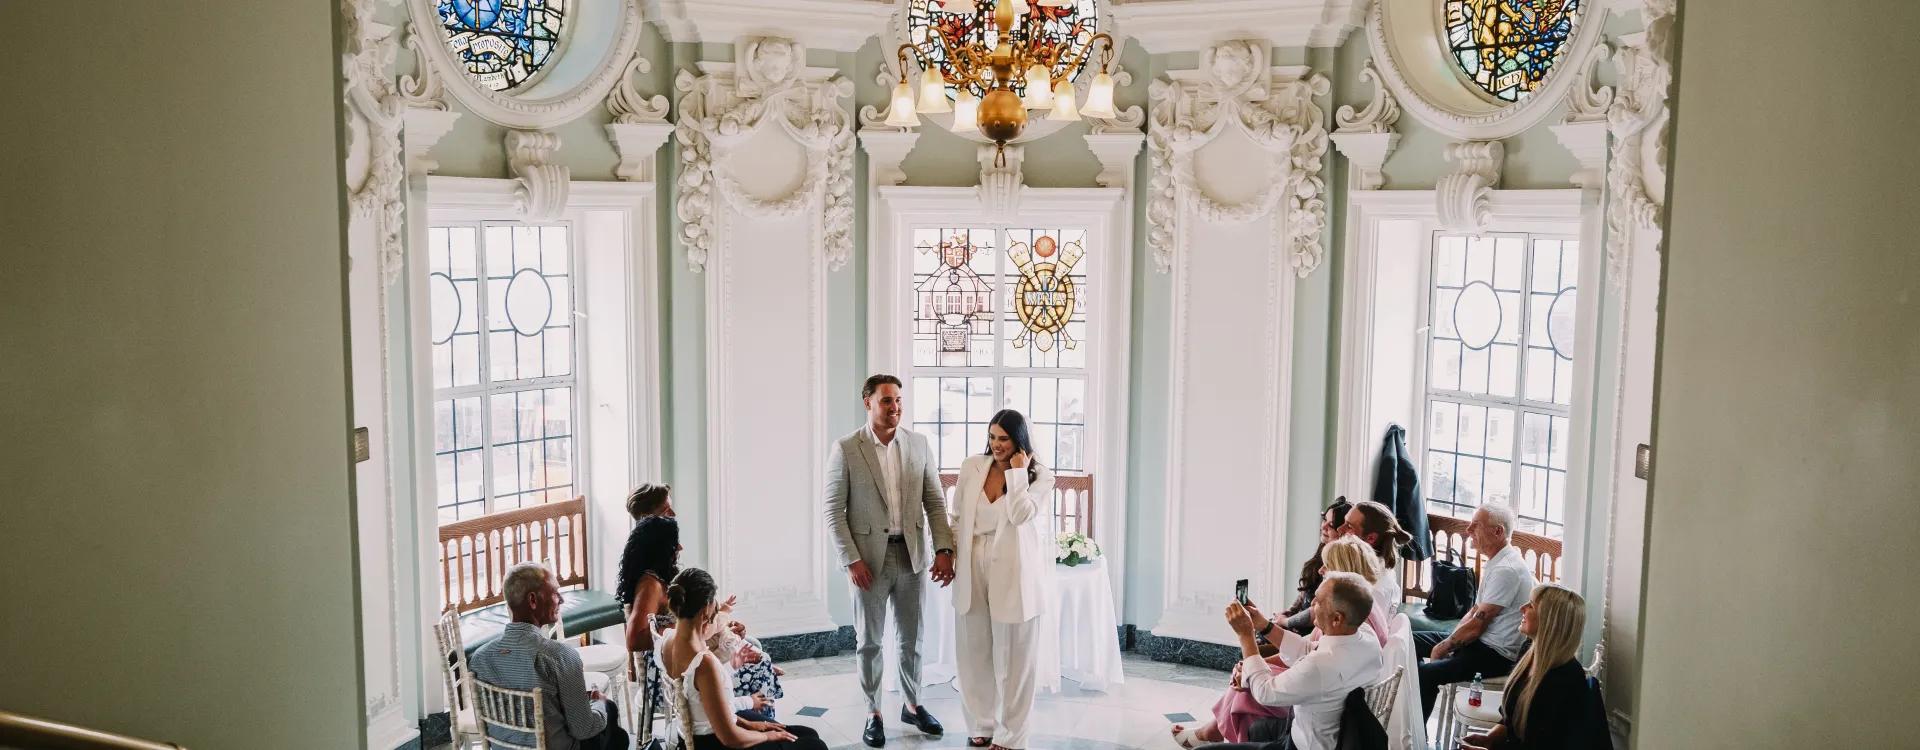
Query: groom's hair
[[874, 383]]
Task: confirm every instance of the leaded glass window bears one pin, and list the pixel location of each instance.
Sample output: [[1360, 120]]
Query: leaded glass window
[[501, 310], [1508, 47], [1068, 28], [503, 44], [1000, 321], [1500, 370]]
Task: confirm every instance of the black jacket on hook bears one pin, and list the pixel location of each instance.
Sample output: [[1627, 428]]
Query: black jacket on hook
[[1396, 484]]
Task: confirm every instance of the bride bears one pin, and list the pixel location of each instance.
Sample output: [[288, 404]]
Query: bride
[[999, 589]]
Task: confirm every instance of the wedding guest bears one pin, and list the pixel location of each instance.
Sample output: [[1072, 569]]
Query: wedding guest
[[524, 658], [1298, 619], [702, 684], [1316, 686], [1374, 524], [756, 680], [1488, 639], [1547, 694], [648, 562]]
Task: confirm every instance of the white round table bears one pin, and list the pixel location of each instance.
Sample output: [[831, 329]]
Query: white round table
[[1079, 635]]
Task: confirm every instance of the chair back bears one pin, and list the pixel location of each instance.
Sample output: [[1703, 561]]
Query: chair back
[[1381, 696], [511, 710], [453, 664], [1406, 728]]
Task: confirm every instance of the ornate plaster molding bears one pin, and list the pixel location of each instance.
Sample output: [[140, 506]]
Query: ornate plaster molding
[[630, 107], [1116, 152], [1274, 107], [886, 151], [875, 119], [526, 112], [1190, 25], [1637, 122], [1367, 137], [542, 193], [1464, 196], [1000, 186], [1584, 129], [423, 87], [838, 25], [729, 104], [378, 102], [639, 124]]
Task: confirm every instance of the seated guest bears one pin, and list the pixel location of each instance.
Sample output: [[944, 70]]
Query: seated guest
[[524, 659], [1488, 639], [1235, 712], [1298, 619], [703, 685], [756, 681], [1547, 694], [1374, 524], [648, 562], [1315, 686]]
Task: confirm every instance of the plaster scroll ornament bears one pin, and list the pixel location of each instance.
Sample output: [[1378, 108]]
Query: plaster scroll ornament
[[1465, 195], [422, 88], [1637, 122], [1588, 102], [630, 107], [871, 117], [542, 193], [723, 108], [1366, 137], [1277, 112], [1378, 116]]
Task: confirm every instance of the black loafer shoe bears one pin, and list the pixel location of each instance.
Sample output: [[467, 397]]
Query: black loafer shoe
[[876, 734], [919, 719]]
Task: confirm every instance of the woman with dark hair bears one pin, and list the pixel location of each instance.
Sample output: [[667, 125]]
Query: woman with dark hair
[[1002, 503], [702, 684], [1299, 617], [649, 561], [1374, 524]]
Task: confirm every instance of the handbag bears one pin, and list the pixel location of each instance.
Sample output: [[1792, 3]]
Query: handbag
[[1454, 588]]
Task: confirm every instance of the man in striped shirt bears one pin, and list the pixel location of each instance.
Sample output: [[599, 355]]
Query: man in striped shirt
[[523, 659]]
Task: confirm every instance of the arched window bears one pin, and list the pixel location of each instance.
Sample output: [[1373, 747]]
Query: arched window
[[503, 44], [1064, 25], [1507, 47]]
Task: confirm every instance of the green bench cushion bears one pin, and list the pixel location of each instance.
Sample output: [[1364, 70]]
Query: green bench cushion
[[1414, 610], [582, 610]]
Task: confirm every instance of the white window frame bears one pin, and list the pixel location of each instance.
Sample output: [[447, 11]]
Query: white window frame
[[899, 210], [1568, 212]]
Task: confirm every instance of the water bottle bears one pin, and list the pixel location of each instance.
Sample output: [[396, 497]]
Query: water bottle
[[1473, 694]]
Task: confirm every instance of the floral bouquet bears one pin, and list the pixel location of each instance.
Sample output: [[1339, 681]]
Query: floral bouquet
[[1074, 548]]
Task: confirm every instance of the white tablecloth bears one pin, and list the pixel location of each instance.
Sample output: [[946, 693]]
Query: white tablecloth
[[1078, 636]]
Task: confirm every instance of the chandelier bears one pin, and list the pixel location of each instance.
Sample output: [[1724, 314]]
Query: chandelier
[[1001, 58]]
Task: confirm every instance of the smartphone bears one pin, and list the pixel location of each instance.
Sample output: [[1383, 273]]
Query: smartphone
[[1240, 591]]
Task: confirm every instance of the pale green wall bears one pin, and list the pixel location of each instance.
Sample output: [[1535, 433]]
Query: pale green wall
[[1783, 495], [179, 527]]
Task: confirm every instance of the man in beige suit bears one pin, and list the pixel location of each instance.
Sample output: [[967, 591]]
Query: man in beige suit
[[883, 504]]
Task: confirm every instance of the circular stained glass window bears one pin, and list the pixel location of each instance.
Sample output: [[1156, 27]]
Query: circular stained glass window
[[503, 44], [1560, 326], [1507, 47], [1066, 29], [529, 302], [1477, 315]]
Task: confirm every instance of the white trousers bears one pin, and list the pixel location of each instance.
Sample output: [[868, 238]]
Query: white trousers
[[997, 669]]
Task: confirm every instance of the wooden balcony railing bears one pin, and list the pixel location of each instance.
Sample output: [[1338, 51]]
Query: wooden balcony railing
[[27, 731], [1449, 533], [1072, 501], [476, 553]]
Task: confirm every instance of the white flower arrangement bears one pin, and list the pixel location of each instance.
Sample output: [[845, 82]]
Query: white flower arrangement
[[1074, 548]]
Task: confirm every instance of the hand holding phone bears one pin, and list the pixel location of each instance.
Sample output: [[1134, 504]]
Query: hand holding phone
[[1240, 591]]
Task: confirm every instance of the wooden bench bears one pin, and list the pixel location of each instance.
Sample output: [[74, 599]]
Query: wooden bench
[[1072, 501], [475, 555], [1542, 554]]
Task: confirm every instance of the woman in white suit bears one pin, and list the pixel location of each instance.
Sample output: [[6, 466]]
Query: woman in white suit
[[1002, 503]]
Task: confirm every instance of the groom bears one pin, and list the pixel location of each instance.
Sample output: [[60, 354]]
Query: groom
[[883, 499]]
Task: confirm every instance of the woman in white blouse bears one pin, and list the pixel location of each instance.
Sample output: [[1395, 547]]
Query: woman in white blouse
[[999, 584]]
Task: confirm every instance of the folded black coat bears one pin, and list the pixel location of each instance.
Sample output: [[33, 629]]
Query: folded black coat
[[1359, 728], [1396, 484]]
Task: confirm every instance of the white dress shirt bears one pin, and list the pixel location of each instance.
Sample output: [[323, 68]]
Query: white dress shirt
[[1506, 581], [889, 453], [1317, 686]]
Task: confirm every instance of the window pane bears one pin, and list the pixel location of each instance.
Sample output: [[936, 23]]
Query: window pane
[[1044, 283], [526, 300], [946, 408], [533, 446], [953, 297], [452, 308], [1443, 426], [1445, 365]]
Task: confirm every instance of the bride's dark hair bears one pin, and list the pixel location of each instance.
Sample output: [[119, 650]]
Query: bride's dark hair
[[1015, 426]]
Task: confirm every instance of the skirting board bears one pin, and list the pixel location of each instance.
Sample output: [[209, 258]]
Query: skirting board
[[809, 645]]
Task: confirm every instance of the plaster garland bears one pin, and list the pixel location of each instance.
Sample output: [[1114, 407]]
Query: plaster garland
[[719, 111], [542, 192], [1637, 122], [1464, 197], [1239, 89]]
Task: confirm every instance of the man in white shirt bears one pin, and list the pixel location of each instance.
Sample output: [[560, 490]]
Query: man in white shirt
[[1487, 641], [1316, 685]]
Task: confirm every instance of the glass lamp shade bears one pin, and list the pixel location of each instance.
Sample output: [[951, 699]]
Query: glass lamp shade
[[901, 114], [1038, 94], [1056, 3], [1064, 109], [1100, 97], [966, 112], [933, 93]]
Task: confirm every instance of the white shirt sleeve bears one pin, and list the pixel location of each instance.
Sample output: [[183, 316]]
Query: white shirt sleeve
[[1303, 682], [1503, 587]]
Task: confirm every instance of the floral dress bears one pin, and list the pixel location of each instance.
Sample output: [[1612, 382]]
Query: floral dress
[[758, 678]]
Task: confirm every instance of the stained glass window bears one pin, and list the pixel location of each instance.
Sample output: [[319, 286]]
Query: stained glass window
[[1507, 47], [1000, 321], [504, 44], [1500, 370], [1068, 28], [500, 320]]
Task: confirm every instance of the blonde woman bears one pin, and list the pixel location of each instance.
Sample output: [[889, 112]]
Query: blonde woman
[[1236, 711], [1547, 692]]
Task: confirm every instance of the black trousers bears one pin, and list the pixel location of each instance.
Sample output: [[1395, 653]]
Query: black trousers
[[1459, 666], [1264, 734], [804, 738], [611, 738]]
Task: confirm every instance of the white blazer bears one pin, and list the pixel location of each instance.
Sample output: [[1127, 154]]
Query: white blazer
[[1023, 550]]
